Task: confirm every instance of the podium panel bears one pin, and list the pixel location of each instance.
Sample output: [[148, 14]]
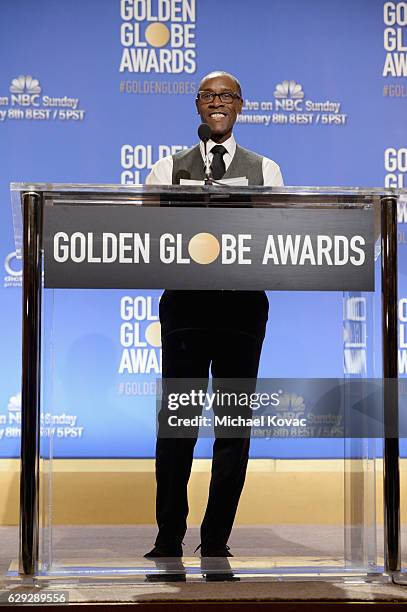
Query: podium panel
[[93, 388]]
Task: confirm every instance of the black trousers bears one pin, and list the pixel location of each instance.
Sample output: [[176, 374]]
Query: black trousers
[[217, 332]]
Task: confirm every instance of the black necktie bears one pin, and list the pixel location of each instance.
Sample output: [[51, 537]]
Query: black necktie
[[218, 165]]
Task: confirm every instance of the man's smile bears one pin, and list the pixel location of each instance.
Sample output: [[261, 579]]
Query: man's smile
[[217, 115]]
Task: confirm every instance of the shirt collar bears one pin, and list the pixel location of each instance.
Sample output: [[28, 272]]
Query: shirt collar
[[229, 144]]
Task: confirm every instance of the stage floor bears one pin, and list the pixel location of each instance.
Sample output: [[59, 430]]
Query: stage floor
[[122, 547]]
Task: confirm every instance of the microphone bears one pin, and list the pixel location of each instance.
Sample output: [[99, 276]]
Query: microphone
[[204, 133], [181, 174]]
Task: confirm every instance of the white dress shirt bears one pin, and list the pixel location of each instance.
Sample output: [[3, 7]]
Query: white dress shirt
[[161, 172]]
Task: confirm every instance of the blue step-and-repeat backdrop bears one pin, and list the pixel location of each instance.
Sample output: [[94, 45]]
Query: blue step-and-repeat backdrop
[[96, 91]]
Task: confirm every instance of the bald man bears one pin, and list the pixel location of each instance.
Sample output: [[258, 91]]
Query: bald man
[[217, 332]]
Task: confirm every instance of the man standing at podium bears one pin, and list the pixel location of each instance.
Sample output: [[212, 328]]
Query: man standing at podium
[[220, 331]]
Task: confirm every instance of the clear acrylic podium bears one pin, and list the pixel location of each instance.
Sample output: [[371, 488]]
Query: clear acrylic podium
[[362, 549]]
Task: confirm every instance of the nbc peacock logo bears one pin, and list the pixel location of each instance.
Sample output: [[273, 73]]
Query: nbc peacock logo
[[288, 96], [289, 89], [291, 402], [14, 403], [25, 84], [25, 91]]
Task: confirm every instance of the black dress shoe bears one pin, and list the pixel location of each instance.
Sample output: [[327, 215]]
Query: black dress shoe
[[169, 570], [215, 566], [159, 552], [168, 562], [214, 551]]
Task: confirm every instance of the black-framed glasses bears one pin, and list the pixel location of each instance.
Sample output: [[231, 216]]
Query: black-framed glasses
[[227, 97]]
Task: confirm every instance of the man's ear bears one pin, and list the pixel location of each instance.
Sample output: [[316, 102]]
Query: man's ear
[[197, 107]]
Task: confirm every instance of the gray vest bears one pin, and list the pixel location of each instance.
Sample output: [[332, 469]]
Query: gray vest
[[244, 163]]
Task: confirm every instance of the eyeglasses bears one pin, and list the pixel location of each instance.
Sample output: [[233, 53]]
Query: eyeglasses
[[227, 97]]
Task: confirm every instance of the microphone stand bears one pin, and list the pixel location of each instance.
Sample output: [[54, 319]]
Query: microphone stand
[[208, 172]]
